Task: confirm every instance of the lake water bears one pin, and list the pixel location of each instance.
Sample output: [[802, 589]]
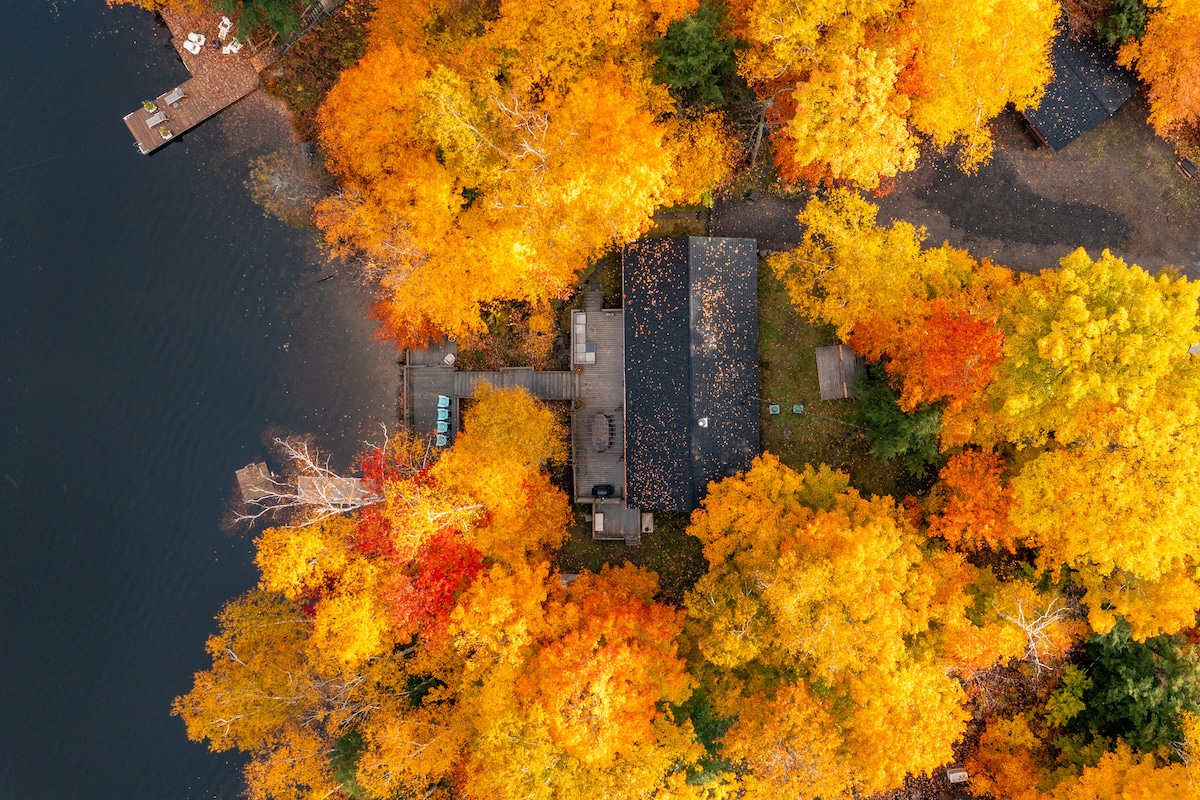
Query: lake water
[[152, 325]]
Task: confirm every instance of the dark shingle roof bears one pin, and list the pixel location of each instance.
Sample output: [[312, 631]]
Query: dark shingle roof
[[1088, 88], [691, 367]]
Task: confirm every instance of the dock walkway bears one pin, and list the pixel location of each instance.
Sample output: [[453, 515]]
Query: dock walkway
[[428, 376], [218, 81]]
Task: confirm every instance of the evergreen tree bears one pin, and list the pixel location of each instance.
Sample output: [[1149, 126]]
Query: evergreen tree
[[696, 56], [1139, 688]]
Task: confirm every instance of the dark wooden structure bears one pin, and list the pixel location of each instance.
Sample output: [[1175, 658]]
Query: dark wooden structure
[[1088, 88], [838, 371]]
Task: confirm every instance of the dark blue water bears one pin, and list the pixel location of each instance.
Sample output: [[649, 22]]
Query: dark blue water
[[152, 325]]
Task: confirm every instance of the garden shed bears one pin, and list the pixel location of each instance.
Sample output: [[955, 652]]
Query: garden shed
[[838, 371], [1088, 88]]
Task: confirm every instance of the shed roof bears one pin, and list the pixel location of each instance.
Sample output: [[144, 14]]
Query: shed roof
[[1088, 88], [691, 366], [838, 371]]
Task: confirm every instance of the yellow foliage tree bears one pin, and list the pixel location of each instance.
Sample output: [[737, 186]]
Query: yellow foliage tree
[[808, 579], [1125, 775], [975, 58]]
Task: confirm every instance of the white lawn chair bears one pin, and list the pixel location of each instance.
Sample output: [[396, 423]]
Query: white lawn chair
[[224, 28], [154, 120], [198, 38], [175, 95], [193, 48], [234, 46]]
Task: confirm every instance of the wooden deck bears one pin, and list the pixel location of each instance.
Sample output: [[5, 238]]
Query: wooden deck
[[426, 376], [601, 391], [218, 81]]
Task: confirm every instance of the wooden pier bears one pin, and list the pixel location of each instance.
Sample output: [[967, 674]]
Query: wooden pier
[[218, 81]]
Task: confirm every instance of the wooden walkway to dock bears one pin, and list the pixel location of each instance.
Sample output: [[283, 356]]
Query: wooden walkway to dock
[[218, 81], [427, 376]]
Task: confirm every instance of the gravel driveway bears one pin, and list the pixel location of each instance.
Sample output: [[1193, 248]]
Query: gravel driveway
[[1116, 187]]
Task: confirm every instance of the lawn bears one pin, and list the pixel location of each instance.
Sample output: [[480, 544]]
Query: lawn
[[827, 431]]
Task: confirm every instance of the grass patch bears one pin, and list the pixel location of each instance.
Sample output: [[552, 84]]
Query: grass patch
[[827, 432], [671, 226], [669, 551]]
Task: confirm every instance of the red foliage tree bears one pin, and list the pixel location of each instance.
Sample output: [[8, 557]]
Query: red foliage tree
[[422, 596]]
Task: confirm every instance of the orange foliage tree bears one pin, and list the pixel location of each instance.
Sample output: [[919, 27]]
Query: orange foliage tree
[[1167, 59], [441, 655], [486, 154], [977, 503]]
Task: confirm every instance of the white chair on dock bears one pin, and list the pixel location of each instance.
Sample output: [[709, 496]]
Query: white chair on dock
[[193, 48], [154, 120], [174, 96], [198, 38]]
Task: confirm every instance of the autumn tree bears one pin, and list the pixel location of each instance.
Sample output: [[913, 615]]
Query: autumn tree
[[287, 186], [928, 314], [191, 6], [1167, 59], [814, 588], [973, 59], [976, 503], [489, 160], [1097, 383], [1123, 773], [847, 85]]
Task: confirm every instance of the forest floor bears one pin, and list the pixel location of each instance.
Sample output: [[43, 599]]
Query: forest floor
[[1115, 187]]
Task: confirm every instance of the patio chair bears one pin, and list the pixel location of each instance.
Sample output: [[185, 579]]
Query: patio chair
[[173, 98], [234, 46], [440, 441], [154, 120], [193, 48], [224, 28], [443, 427], [443, 414], [443, 401]]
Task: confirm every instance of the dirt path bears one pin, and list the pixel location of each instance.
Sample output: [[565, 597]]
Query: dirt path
[[1116, 187]]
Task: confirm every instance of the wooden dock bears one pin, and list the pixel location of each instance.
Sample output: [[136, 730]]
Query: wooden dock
[[218, 81]]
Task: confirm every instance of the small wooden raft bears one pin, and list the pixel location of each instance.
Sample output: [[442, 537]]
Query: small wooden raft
[[838, 371]]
